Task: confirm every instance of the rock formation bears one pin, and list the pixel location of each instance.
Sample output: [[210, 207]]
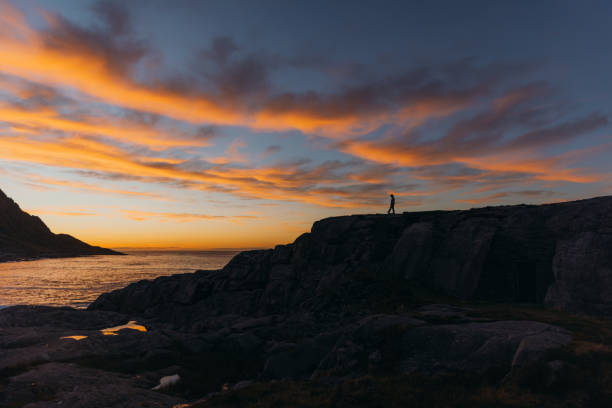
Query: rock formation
[[452, 298], [24, 236], [556, 254]]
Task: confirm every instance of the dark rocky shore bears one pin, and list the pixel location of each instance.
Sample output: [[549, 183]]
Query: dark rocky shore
[[26, 237], [498, 306]]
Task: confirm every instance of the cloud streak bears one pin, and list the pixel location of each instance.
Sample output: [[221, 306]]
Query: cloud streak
[[526, 194], [295, 182], [492, 141], [183, 217]]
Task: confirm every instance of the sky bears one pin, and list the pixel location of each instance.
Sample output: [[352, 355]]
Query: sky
[[237, 124]]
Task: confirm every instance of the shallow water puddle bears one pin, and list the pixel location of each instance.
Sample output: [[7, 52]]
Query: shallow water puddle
[[77, 338], [112, 331]]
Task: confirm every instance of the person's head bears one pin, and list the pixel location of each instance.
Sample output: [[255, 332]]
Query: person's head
[[391, 195]]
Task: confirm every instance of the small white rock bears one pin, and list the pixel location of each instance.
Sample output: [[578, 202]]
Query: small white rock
[[167, 381]]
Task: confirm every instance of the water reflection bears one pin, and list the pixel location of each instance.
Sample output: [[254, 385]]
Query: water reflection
[[77, 338], [77, 282], [112, 331]]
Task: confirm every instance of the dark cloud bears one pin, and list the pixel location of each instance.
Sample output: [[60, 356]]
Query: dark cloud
[[498, 129], [532, 193], [558, 134], [232, 75], [207, 132], [247, 77], [223, 61], [422, 88], [514, 109], [115, 17], [220, 50], [116, 176], [272, 149], [112, 41], [541, 194], [144, 118]]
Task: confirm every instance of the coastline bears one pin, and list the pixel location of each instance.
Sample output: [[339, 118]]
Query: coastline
[[41, 258], [78, 281]]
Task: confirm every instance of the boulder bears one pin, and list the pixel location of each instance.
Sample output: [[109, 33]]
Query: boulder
[[582, 267], [478, 346]]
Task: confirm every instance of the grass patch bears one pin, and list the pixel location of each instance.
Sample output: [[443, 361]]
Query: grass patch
[[413, 391], [584, 328]]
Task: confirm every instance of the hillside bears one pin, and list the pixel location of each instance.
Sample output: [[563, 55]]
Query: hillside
[[24, 236]]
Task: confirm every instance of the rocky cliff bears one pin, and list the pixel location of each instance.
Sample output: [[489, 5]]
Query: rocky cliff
[[556, 254], [24, 236]]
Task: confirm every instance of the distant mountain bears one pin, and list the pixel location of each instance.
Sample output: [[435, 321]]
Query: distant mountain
[[24, 236]]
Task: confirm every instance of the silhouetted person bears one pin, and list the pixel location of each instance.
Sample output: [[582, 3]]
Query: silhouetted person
[[392, 205]]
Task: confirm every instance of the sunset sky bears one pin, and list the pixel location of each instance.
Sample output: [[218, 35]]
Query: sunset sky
[[234, 124]]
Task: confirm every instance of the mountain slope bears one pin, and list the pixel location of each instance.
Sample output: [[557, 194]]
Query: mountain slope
[[24, 236]]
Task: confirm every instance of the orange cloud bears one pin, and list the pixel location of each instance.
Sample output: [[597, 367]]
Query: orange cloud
[[262, 183], [76, 185], [541, 168], [182, 217], [40, 57], [37, 120], [39, 212], [27, 56]]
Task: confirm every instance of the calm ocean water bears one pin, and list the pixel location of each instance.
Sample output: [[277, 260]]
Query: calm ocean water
[[77, 282]]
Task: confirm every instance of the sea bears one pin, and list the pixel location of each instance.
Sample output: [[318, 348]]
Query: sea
[[76, 282]]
